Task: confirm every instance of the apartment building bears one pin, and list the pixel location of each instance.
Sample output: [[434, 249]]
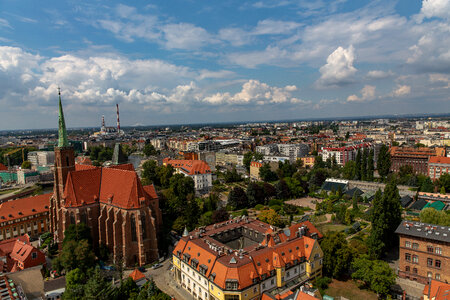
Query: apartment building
[[342, 154], [243, 258], [417, 158], [438, 165], [198, 170], [424, 252]]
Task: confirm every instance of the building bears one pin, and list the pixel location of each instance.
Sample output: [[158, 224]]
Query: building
[[25, 176], [293, 150], [123, 214], [436, 290], [424, 252], [256, 165], [438, 165], [308, 161], [18, 254], [198, 170], [24, 216], [244, 258], [417, 158], [342, 154], [223, 159], [9, 289], [434, 197], [41, 158]]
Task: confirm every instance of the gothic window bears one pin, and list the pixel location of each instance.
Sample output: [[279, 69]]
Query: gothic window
[[67, 161], [133, 228], [72, 218], [83, 217], [144, 227]]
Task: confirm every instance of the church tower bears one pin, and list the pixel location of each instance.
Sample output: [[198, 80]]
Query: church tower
[[64, 163]]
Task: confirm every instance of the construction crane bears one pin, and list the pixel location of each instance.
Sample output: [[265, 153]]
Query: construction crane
[[7, 154]]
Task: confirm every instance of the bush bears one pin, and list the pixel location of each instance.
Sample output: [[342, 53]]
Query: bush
[[259, 207], [276, 207], [322, 283], [275, 202]]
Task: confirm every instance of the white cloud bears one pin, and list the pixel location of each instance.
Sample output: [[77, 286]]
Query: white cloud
[[339, 69], [185, 36], [274, 27], [401, 90], [440, 79], [378, 74], [254, 91], [235, 36], [367, 94], [436, 8], [5, 23]]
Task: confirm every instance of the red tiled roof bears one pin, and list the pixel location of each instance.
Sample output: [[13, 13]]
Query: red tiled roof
[[439, 160], [118, 185], [437, 289], [190, 167], [136, 275], [80, 167], [24, 207], [7, 246]]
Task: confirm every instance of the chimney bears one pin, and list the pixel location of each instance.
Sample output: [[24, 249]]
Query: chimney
[[118, 120]]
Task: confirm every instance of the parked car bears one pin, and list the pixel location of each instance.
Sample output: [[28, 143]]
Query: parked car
[[156, 266]]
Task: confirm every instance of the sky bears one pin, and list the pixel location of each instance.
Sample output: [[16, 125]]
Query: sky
[[186, 61]]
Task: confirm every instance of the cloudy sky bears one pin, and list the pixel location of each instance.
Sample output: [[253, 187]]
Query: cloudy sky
[[186, 61]]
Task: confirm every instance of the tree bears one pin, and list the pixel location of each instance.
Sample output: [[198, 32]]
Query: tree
[[84, 255], [220, 215], [77, 232], [237, 198], [182, 186], [96, 287], [384, 161], [358, 167], [255, 194], [365, 156], [150, 172], [249, 156], [349, 170], [128, 289], [266, 173], [75, 280], [427, 185], [375, 274], [286, 169], [269, 190], [347, 135], [336, 254], [317, 178], [282, 189], [386, 216], [355, 202], [444, 181], [270, 216], [232, 176], [432, 216], [370, 165], [295, 187], [149, 150], [26, 165], [442, 190]]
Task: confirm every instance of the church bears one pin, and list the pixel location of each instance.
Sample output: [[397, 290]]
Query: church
[[123, 214]]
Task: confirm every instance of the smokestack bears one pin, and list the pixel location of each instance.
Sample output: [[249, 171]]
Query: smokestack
[[118, 121], [103, 121]]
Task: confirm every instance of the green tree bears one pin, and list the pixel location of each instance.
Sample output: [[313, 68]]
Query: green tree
[[282, 189], [271, 217], [182, 186], [232, 176], [266, 173], [442, 190], [295, 187], [149, 150], [269, 190], [370, 166], [432, 216], [150, 172], [384, 161], [96, 287], [128, 289], [444, 181], [26, 165], [220, 215], [427, 185], [75, 280], [347, 135], [355, 202], [84, 255], [286, 169], [375, 274], [77, 232], [358, 167], [365, 156], [349, 170], [237, 198], [336, 254], [255, 194], [386, 216]]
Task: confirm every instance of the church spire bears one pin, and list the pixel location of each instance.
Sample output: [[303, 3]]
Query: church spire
[[62, 133]]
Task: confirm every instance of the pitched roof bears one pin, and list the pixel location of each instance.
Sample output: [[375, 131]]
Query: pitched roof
[[419, 204], [439, 160], [24, 207], [116, 185], [405, 201], [189, 167], [437, 290], [136, 275]]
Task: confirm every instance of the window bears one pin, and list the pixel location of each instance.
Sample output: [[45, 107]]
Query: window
[[430, 275], [415, 259], [407, 257], [407, 269], [438, 276], [437, 263], [415, 246], [407, 244], [415, 270], [438, 250], [430, 249], [34, 255], [231, 285], [429, 262], [133, 228]]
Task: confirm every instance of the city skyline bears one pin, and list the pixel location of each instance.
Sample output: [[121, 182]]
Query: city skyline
[[186, 62]]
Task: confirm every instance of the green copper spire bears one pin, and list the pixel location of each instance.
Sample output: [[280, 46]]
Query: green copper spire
[[62, 133]]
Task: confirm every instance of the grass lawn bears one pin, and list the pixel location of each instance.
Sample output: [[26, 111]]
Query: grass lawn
[[318, 219], [349, 290], [324, 228]]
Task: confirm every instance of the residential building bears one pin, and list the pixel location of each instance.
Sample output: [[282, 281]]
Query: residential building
[[122, 214], [293, 150], [235, 159], [18, 254], [198, 170], [243, 258], [24, 216], [424, 251], [41, 158], [438, 165], [436, 290], [256, 165], [417, 158], [342, 154]]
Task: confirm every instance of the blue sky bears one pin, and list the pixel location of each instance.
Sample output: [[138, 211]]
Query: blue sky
[[185, 61]]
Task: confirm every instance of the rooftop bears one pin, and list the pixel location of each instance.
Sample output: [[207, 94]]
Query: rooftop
[[424, 230], [24, 207]]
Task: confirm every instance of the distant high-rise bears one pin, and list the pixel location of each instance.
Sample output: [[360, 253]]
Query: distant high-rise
[[118, 120]]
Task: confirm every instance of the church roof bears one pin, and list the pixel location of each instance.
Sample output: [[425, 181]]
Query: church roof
[[118, 186]]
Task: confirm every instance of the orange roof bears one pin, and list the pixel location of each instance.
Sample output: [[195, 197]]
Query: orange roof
[[3, 167], [437, 289], [136, 275], [409, 151], [117, 185], [439, 160], [7, 246], [190, 167], [24, 207]]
